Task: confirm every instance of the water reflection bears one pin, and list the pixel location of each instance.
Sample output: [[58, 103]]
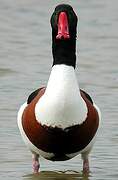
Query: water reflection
[[67, 175]]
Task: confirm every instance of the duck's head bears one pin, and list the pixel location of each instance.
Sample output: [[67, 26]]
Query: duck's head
[[64, 22], [64, 29]]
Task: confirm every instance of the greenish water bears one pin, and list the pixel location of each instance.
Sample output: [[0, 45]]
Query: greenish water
[[56, 176], [25, 64]]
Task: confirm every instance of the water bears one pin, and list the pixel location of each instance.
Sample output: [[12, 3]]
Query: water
[[25, 64]]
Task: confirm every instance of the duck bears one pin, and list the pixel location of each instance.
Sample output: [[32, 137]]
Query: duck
[[60, 121]]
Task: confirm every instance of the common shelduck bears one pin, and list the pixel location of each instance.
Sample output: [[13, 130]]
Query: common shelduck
[[60, 121]]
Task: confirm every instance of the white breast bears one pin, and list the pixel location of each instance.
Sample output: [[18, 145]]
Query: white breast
[[61, 105]]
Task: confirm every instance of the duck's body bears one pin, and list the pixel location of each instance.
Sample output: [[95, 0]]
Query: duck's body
[[60, 121]]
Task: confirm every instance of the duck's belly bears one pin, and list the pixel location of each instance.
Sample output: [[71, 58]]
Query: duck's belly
[[55, 151], [54, 144]]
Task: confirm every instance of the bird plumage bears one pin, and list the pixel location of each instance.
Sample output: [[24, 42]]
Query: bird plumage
[[60, 121]]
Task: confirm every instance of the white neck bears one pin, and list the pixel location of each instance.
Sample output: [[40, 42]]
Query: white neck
[[61, 105], [62, 81]]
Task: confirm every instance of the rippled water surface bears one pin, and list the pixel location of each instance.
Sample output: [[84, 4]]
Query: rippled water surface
[[25, 64]]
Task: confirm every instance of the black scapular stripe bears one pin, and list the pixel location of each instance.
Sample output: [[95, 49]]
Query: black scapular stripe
[[87, 96], [33, 95]]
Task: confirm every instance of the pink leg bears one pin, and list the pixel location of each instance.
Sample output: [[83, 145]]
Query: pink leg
[[85, 166], [35, 163]]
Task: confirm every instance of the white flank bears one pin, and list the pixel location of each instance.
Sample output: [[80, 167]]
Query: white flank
[[61, 105], [32, 148]]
